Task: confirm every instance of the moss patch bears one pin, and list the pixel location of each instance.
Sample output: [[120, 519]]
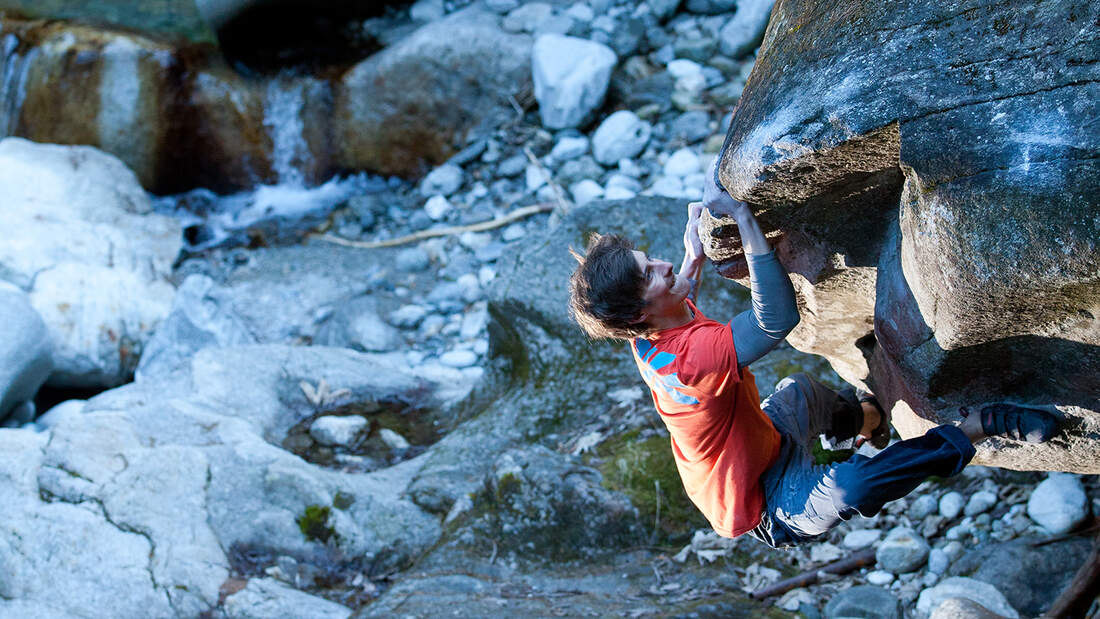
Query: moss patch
[[314, 523], [644, 470], [827, 456]]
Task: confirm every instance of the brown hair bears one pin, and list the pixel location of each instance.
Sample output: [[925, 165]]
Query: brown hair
[[605, 291]]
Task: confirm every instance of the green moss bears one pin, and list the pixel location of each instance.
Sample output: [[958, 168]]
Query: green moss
[[342, 501], [314, 523], [507, 485], [645, 471]]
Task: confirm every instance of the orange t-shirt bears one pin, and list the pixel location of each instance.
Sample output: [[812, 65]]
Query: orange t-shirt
[[721, 439]]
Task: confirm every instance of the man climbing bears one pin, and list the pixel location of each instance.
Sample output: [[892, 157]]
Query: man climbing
[[748, 465]]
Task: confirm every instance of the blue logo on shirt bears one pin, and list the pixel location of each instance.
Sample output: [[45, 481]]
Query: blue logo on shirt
[[654, 360]]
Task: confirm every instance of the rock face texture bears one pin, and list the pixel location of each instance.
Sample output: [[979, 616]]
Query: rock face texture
[[929, 173]]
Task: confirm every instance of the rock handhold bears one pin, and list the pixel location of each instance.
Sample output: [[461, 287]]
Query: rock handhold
[[25, 349]]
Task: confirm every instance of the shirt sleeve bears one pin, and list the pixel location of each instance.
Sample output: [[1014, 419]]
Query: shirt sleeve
[[774, 312]]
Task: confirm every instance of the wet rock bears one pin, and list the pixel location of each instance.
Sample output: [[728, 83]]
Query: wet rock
[[712, 7], [864, 601], [980, 502], [1058, 504], [25, 349], [337, 430], [982, 593], [923, 506], [571, 77]]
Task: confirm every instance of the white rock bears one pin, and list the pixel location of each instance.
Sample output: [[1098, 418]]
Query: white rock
[[585, 191], [980, 502], [266, 597], [437, 207], [621, 135], [667, 186], [337, 430], [951, 505], [959, 587], [743, 33], [880, 578], [569, 147], [485, 275], [825, 552], [407, 316], [444, 180], [25, 349], [1058, 503], [618, 193], [474, 321], [392, 439], [78, 225], [470, 286], [367, 331], [571, 76], [682, 163], [475, 240], [534, 177], [458, 358], [60, 412], [861, 538]]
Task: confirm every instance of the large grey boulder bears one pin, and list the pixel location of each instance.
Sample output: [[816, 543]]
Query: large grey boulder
[[412, 104], [25, 349], [571, 76], [80, 236], [895, 151], [1030, 576]]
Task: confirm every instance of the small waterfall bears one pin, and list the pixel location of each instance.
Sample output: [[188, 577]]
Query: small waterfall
[[13, 83], [283, 119]]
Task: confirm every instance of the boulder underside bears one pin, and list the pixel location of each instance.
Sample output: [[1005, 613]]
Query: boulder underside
[[927, 174]]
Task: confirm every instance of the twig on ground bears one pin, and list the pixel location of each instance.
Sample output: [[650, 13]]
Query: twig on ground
[[843, 566], [519, 213], [558, 193]]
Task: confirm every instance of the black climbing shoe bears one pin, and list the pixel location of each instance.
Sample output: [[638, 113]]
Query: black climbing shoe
[[880, 436], [1030, 425]]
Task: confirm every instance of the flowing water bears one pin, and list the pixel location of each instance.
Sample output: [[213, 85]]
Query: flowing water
[[13, 82]]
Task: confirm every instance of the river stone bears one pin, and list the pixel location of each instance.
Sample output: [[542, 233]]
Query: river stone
[[744, 31], [951, 505], [902, 551], [356, 324], [337, 430], [984, 594], [622, 135], [444, 180], [926, 219], [81, 237], [962, 608], [1058, 503], [571, 76], [25, 349], [865, 601], [980, 502], [922, 507], [411, 103], [713, 7], [266, 597]]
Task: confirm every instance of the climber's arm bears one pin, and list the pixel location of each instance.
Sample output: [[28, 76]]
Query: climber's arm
[[774, 311]]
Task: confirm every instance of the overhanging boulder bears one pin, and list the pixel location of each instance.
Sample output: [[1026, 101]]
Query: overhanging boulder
[[930, 173]]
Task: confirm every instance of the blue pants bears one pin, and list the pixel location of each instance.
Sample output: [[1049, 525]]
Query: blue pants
[[803, 499]]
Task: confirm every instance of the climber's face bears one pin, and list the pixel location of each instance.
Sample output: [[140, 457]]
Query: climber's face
[[664, 290]]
